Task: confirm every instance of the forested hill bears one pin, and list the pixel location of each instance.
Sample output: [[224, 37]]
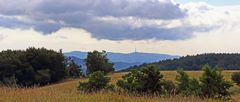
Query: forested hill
[[225, 61]]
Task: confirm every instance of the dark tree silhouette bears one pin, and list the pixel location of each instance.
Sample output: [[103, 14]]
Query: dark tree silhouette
[[98, 61], [32, 66]]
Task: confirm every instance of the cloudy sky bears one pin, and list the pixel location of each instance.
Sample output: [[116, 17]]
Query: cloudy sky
[[178, 27]]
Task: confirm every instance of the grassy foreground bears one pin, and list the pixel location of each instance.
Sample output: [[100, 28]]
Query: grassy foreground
[[67, 92]]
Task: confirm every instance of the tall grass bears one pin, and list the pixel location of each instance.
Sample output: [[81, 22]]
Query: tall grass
[[67, 92]]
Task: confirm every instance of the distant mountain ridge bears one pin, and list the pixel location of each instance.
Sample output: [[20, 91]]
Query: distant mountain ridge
[[122, 60], [129, 57]]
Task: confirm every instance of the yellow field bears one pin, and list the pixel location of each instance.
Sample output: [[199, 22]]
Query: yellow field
[[66, 92]]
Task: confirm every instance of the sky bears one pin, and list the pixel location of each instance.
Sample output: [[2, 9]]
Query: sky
[[213, 2], [177, 27]]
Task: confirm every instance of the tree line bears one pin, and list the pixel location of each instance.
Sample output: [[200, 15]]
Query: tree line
[[196, 62], [40, 66]]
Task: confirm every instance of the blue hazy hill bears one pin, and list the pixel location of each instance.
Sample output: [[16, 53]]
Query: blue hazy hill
[[123, 60]]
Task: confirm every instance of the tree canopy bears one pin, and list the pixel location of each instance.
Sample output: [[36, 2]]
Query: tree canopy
[[98, 61], [31, 66]]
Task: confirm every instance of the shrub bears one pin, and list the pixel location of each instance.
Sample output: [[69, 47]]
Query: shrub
[[169, 87], [128, 82], [147, 80], [236, 78], [97, 81], [213, 84], [187, 86]]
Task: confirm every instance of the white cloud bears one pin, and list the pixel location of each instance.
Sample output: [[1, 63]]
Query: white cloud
[[1, 37], [50, 16]]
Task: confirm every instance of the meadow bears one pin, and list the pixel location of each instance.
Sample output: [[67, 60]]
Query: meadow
[[66, 91]]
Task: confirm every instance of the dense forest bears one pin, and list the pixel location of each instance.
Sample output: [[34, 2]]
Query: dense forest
[[196, 62]]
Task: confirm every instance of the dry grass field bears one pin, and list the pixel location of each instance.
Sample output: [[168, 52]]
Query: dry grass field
[[66, 92]]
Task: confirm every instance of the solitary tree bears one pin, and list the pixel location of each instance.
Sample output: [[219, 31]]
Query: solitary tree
[[74, 70], [98, 61]]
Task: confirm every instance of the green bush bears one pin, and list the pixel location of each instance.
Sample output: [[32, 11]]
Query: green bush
[[213, 85], [187, 86], [147, 80], [169, 87], [236, 78], [210, 85], [97, 81]]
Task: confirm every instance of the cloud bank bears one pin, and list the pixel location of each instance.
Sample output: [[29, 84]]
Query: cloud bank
[[104, 19]]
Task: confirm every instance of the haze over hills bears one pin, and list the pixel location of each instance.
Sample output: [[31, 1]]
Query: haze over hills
[[123, 60]]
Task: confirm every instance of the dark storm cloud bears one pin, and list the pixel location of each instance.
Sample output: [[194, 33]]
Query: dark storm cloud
[[49, 16], [125, 32], [12, 23]]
